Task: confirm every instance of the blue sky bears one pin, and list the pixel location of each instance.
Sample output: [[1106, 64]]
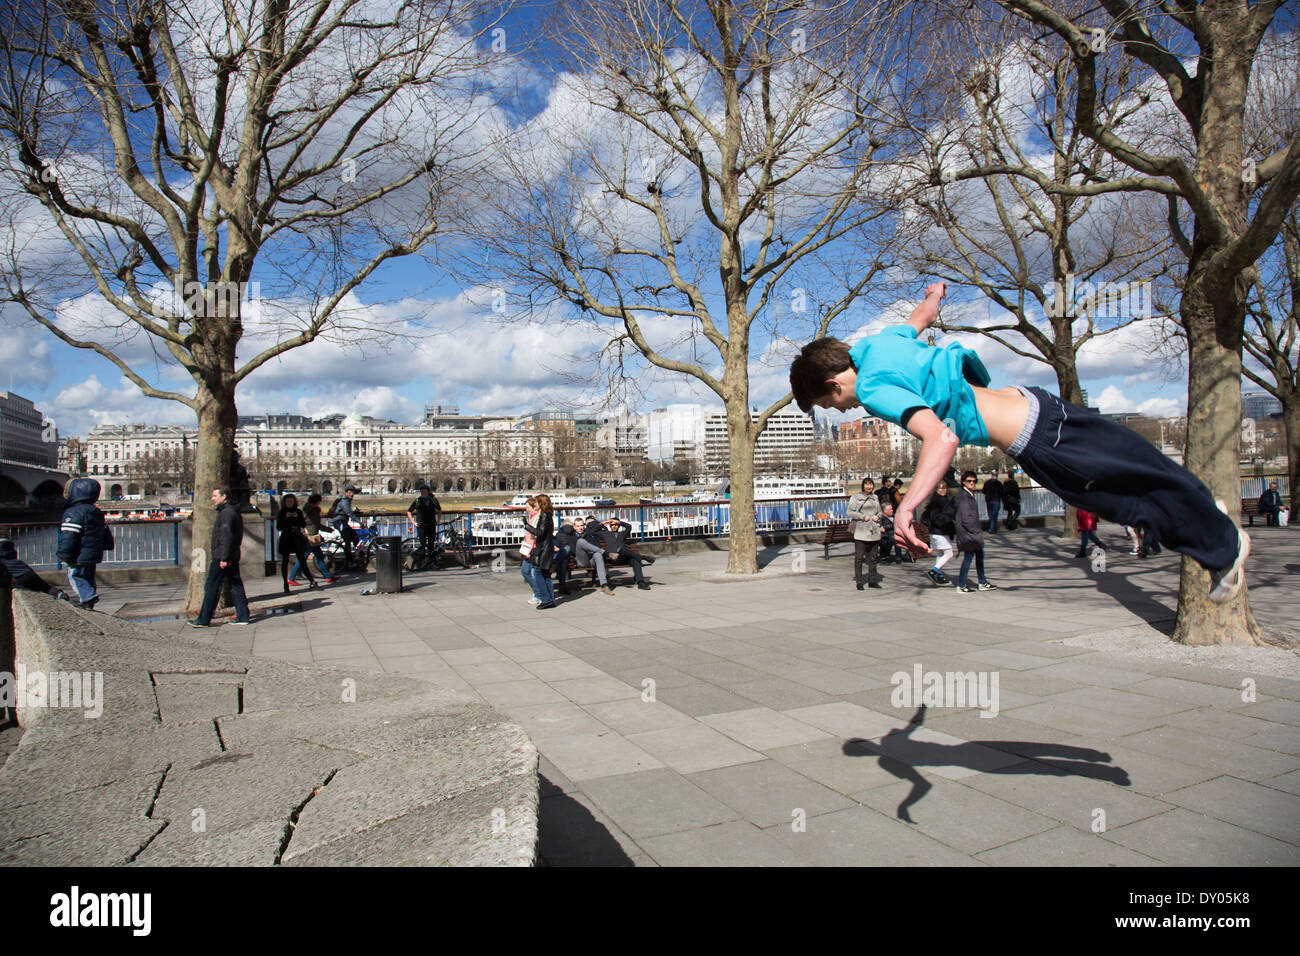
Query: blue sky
[[456, 350]]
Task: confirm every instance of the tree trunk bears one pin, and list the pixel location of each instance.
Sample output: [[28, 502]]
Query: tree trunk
[[1291, 419], [743, 556], [1210, 313], [1067, 382], [216, 440]]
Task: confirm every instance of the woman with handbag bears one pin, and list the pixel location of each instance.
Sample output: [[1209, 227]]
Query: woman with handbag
[[536, 566], [291, 523], [312, 513]]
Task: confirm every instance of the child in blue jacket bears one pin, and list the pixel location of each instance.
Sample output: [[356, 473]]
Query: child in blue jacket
[[84, 536]]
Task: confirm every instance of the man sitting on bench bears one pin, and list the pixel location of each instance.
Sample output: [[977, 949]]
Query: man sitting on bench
[[614, 535], [589, 549]]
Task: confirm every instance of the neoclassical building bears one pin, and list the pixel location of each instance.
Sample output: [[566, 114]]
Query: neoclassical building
[[376, 456]]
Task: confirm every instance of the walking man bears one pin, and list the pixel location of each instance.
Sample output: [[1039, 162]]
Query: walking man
[[223, 561], [864, 512], [993, 501], [1011, 502]]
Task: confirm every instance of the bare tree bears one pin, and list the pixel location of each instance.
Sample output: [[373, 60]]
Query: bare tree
[[1064, 268], [716, 160], [1272, 335], [183, 152], [1237, 204]]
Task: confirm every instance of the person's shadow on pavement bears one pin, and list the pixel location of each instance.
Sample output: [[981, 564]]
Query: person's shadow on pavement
[[900, 755]]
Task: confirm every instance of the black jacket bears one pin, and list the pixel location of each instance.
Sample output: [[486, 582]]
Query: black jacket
[[426, 511], [941, 515], [311, 514], [992, 491], [594, 533], [615, 541], [1270, 501], [544, 546], [969, 535], [1010, 491], [20, 572], [292, 525], [83, 536], [567, 537], [227, 534]]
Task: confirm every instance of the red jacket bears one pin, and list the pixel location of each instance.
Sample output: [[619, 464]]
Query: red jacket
[[1087, 521]]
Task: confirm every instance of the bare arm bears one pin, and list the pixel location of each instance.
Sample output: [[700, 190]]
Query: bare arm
[[924, 315], [938, 445]]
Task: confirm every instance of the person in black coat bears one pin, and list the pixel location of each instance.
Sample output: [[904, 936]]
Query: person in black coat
[[84, 536], [1270, 505], [941, 517], [536, 566], [223, 561], [615, 538], [22, 574], [993, 501], [970, 541], [566, 543], [291, 522], [1011, 502]]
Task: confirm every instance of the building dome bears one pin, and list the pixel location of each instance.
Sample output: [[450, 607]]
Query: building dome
[[352, 421]]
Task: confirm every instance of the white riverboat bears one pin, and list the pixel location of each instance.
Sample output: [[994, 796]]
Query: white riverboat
[[774, 489]]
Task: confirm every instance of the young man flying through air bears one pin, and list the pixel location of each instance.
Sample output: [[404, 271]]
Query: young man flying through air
[[941, 396]]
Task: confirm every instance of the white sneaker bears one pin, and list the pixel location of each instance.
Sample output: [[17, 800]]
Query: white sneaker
[[534, 600], [1227, 584]]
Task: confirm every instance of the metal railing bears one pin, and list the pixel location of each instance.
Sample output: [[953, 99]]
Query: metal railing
[[135, 543], [153, 543]]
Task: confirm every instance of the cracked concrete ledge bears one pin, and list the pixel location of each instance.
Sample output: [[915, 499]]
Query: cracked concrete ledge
[[202, 757]]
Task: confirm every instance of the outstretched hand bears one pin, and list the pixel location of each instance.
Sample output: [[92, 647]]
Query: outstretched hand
[[936, 288], [906, 538]]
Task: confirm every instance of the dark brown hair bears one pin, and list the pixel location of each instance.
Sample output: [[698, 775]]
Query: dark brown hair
[[818, 362]]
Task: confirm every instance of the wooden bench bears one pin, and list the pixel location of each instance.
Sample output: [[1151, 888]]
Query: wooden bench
[[609, 565], [836, 532], [1250, 510]]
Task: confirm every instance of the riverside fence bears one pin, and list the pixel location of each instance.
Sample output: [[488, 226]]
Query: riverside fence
[[158, 543]]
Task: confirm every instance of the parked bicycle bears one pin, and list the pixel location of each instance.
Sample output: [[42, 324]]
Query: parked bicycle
[[448, 542], [331, 543]]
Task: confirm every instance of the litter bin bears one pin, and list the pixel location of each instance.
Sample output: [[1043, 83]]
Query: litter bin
[[388, 564]]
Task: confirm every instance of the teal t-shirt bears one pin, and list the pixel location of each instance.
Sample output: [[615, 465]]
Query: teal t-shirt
[[897, 372]]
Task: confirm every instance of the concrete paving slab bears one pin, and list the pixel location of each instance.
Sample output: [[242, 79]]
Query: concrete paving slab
[[957, 816], [738, 843], [768, 793], [1251, 806], [656, 802], [1184, 838], [693, 747], [1231, 757], [763, 728], [636, 715], [1064, 846], [863, 837], [587, 756], [698, 699]]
